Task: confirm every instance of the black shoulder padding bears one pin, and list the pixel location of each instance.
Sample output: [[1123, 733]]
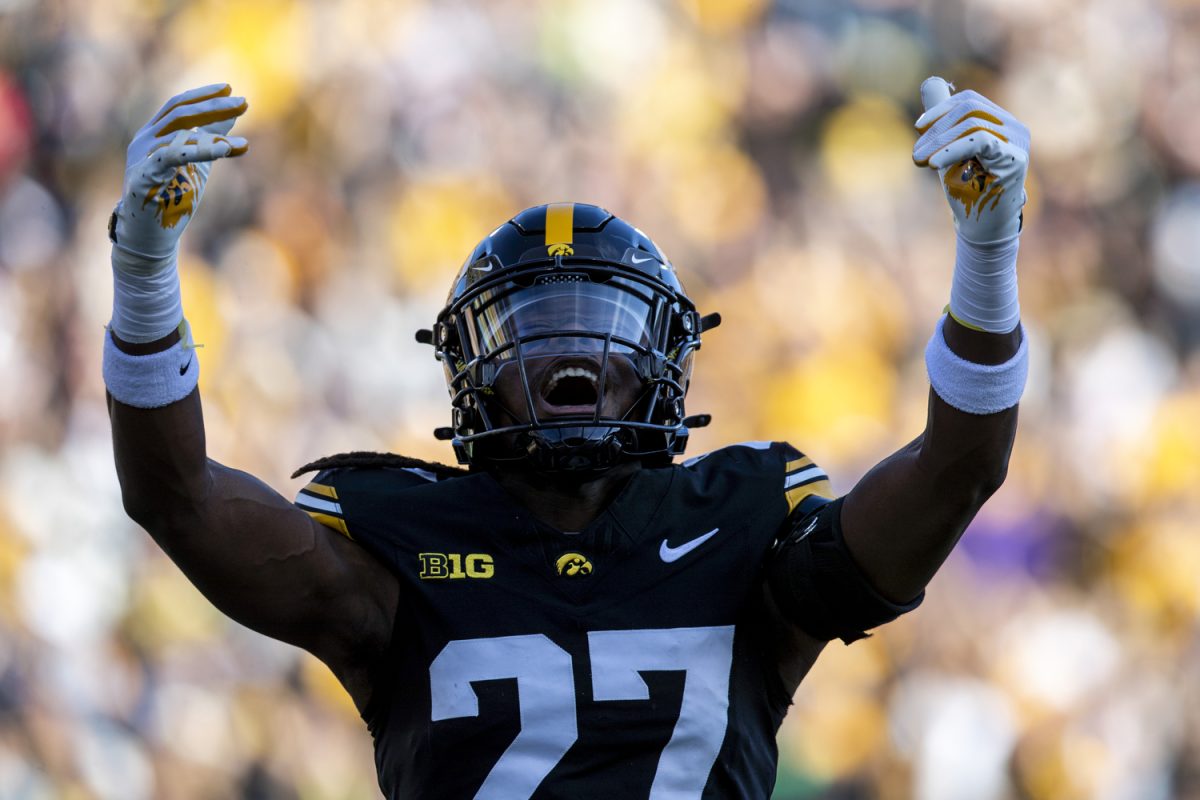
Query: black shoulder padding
[[363, 459], [817, 585]]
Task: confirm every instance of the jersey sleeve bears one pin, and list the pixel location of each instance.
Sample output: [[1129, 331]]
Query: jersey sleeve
[[806, 487], [320, 500], [347, 499]]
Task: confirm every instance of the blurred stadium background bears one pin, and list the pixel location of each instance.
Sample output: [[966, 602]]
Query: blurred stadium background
[[766, 145]]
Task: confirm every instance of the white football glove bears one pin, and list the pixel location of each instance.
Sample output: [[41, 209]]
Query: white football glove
[[167, 166], [961, 132]]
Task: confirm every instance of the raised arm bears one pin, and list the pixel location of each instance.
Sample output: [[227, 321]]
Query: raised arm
[[902, 519], [846, 566], [254, 555]]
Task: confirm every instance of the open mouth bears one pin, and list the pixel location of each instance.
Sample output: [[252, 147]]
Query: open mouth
[[571, 388]]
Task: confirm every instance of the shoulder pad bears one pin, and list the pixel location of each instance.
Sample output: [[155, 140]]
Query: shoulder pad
[[322, 497], [801, 477]]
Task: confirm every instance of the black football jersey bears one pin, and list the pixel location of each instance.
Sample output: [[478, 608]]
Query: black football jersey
[[627, 660]]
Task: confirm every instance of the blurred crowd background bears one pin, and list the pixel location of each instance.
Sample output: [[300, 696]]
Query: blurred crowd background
[[766, 146]]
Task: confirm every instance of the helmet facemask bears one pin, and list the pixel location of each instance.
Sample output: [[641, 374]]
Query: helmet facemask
[[569, 368]]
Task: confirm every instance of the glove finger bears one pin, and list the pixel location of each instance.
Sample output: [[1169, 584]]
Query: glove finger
[[934, 92], [1002, 159], [954, 121], [999, 159], [968, 99], [969, 125], [221, 127], [196, 115], [192, 96], [191, 147]]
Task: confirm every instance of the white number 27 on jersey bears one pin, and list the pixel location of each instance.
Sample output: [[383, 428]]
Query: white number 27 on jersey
[[546, 694]]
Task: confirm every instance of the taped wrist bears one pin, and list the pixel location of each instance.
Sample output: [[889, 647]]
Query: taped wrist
[[817, 585], [154, 380], [146, 301], [983, 294], [971, 387]]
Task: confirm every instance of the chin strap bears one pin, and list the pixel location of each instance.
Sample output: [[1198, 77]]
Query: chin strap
[[575, 450]]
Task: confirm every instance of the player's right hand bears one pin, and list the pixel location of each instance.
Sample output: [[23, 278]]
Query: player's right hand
[[981, 153], [167, 165]]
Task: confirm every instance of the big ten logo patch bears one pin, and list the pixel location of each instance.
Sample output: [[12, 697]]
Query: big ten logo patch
[[439, 566]]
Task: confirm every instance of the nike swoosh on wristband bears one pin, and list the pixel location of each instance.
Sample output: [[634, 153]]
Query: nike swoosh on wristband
[[183, 370], [669, 554]]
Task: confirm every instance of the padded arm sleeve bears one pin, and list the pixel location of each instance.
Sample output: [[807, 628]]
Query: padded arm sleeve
[[817, 585]]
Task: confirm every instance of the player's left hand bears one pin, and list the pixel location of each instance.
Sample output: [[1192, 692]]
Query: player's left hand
[[961, 133]]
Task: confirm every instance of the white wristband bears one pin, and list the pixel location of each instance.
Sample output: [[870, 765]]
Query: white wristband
[[146, 301], [983, 294], [154, 380], [971, 387]]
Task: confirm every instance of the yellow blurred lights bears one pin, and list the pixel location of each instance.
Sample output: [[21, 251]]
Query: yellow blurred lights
[[261, 48], [689, 99], [716, 194], [723, 16], [438, 220], [837, 400], [866, 150]]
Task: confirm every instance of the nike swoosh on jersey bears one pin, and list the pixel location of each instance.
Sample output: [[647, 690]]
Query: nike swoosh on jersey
[[669, 554]]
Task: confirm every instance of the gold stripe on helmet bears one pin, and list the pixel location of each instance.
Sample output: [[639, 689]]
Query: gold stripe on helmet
[[560, 228]]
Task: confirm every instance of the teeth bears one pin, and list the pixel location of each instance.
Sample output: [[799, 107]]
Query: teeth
[[572, 372]]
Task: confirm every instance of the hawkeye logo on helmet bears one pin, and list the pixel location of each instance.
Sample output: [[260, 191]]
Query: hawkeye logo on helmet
[[561, 249], [573, 565]]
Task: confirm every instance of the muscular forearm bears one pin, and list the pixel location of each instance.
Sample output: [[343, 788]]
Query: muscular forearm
[[970, 449], [905, 516], [231, 534], [211, 520], [160, 452]]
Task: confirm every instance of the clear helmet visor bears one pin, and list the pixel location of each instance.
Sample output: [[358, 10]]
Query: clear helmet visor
[[565, 316]]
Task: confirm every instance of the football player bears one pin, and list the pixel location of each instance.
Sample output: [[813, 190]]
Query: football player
[[570, 612]]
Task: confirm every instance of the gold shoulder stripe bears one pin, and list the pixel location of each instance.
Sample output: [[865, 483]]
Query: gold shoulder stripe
[[799, 463], [322, 489], [337, 524], [560, 223], [310, 502], [795, 496], [807, 475]]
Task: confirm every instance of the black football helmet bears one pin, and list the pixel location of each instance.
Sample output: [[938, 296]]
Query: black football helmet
[[574, 284]]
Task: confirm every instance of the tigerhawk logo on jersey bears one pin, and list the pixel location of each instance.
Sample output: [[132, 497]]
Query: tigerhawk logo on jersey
[[439, 566], [573, 565]]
